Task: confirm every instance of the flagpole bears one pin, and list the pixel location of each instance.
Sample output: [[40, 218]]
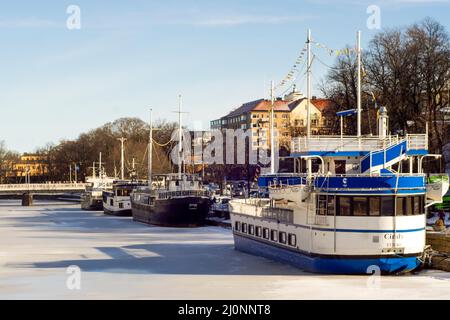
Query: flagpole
[[358, 96]]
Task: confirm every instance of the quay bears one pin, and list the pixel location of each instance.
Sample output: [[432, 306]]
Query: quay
[[122, 259], [440, 243]]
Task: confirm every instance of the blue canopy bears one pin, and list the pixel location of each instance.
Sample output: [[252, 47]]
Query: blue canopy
[[346, 113]]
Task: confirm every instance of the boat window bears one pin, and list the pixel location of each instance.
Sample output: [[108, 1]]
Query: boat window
[[292, 240], [387, 206], [282, 237], [374, 206], [111, 202], [360, 206], [418, 205], [258, 231], [339, 166], [345, 206], [409, 206], [330, 206], [400, 206], [251, 229], [273, 235], [244, 228], [266, 233], [321, 204], [237, 226]]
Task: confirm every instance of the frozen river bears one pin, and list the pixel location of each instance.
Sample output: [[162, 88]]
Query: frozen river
[[122, 259]]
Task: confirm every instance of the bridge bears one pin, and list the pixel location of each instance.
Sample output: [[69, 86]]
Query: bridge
[[41, 188]]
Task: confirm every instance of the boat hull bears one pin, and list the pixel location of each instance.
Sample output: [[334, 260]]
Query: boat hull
[[175, 212], [325, 264], [92, 204], [118, 213]]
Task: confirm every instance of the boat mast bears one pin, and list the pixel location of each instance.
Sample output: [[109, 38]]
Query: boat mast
[[358, 95], [150, 152], [100, 166], [308, 89], [180, 147], [122, 167], [272, 139]]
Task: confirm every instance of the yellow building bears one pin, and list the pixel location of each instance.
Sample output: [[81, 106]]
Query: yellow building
[[29, 164]]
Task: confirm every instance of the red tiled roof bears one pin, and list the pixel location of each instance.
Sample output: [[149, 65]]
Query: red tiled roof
[[260, 105], [324, 104]]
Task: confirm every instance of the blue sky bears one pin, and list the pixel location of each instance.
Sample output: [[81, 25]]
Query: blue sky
[[131, 55]]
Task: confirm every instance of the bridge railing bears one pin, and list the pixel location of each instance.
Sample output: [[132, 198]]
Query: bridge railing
[[42, 187]]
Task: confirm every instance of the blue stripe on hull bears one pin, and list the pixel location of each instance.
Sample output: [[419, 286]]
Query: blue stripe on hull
[[325, 264]]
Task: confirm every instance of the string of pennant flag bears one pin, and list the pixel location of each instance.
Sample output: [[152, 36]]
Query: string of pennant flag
[[291, 75], [340, 52]]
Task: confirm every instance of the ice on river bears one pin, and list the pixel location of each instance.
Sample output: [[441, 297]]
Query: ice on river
[[122, 259]]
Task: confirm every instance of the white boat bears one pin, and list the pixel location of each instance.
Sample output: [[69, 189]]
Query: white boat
[[91, 198], [358, 213], [118, 201]]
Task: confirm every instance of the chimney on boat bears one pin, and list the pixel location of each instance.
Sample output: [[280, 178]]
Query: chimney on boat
[[382, 122]]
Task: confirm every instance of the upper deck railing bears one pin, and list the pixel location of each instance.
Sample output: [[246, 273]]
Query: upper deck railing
[[354, 143]]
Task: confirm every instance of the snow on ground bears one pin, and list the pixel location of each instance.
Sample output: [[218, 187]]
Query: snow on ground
[[122, 259]]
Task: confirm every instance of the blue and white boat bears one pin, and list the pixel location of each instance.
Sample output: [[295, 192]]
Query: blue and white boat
[[354, 210], [354, 214]]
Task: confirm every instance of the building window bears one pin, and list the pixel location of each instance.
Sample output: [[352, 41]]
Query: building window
[[282, 237], [251, 229], [274, 235], [292, 239], [266, 233], [258, 232]]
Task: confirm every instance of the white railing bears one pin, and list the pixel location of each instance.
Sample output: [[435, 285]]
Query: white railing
[[43, 187], [345, 143], [354, 143], [417, 141]]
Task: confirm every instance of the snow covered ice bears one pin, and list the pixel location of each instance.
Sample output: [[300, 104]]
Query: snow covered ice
[[122, 259]]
